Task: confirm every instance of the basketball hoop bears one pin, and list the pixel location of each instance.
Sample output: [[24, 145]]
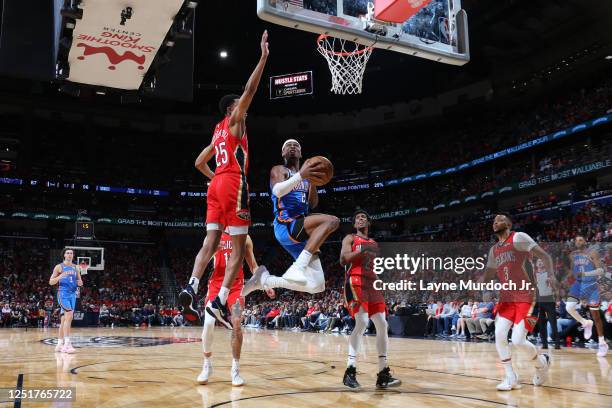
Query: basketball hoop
[[347, 61]]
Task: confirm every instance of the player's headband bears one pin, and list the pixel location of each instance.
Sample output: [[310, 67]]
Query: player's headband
[[290, 141]]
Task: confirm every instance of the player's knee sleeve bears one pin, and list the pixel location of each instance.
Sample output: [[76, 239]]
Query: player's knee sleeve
[[207, 332], [361, 322], [519, 334], [502, 327], [380, 323]]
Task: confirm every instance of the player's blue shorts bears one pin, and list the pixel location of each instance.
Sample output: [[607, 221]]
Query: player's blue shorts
[[66, 301], [588, 291], [290, 233]]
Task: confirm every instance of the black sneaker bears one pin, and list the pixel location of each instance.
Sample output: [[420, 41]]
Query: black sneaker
[[187, 299], [219, 312], [350, 377], [385, 380]]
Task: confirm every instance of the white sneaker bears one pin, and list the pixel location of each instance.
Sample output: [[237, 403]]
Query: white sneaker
[[68, 348], [58, 347], [603, 350], [510, 382], [207, 371], [588, 329], [296, 274], [257, 280], [541, 374], [237, 380]]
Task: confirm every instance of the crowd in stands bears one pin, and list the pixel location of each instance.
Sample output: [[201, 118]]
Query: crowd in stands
[[465, 139]]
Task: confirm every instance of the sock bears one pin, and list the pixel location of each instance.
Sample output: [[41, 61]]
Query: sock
[[66, 340], [194, 282], [508, 368], [351, 361], [303, 260], [235, 364], [60, 341], [223, 294], [602, 340], [382, 363]]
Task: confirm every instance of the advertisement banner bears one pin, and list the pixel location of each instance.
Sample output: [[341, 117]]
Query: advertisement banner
[[116, 40]]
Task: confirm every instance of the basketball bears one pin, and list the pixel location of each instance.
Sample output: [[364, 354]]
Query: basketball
[[328, 169]]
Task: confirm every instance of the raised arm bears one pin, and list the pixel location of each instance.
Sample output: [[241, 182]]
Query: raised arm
[[202, 160], [238, 114]]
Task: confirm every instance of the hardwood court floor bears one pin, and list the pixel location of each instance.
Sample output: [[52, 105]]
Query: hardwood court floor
[[157, 368]]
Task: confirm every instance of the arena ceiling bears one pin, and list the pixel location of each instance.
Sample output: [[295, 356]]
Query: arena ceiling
[[512, 42]]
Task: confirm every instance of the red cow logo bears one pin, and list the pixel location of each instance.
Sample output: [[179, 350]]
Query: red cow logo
[[113, 57]]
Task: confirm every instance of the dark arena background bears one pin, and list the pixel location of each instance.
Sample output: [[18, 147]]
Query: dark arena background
[[449, 133]]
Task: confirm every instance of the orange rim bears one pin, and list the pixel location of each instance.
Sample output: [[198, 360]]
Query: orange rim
[[343, 54]]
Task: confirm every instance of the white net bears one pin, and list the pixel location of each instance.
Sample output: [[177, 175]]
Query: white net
[[347, 62]]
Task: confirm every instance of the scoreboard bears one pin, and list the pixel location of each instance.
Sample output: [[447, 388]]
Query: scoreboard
[[288, 85], [84, 230]]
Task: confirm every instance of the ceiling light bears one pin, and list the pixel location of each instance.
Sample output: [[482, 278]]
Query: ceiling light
[[223, 54]]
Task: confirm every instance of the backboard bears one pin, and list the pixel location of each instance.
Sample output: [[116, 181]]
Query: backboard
[[438, 32], [94, 256]]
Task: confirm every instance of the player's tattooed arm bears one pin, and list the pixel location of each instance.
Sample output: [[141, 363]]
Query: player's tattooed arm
[[201, 162], [313, 196], [249, 256], [347, 255], [239, 113]]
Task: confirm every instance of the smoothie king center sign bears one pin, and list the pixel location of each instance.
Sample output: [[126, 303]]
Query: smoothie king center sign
[[115, 42]]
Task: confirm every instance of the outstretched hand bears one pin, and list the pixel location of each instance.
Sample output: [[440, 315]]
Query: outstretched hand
[[265, 50]]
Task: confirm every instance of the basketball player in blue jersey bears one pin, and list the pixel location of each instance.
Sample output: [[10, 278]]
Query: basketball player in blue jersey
[[587, 268], [68, 275], [298, 231]]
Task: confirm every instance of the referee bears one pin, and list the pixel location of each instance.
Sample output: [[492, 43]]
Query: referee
[[546, 304]]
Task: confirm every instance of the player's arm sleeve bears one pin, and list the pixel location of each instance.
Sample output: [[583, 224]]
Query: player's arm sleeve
[[523, 242], [282, 188]]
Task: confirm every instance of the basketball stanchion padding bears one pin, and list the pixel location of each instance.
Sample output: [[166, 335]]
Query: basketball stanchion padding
[[397, 11], [347, 61]]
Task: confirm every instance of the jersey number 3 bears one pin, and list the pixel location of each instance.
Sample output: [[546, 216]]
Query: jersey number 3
[[221, 154]]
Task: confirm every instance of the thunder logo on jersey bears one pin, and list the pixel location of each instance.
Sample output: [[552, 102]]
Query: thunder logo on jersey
[[293, 204], [583, 263], [69, 283]]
